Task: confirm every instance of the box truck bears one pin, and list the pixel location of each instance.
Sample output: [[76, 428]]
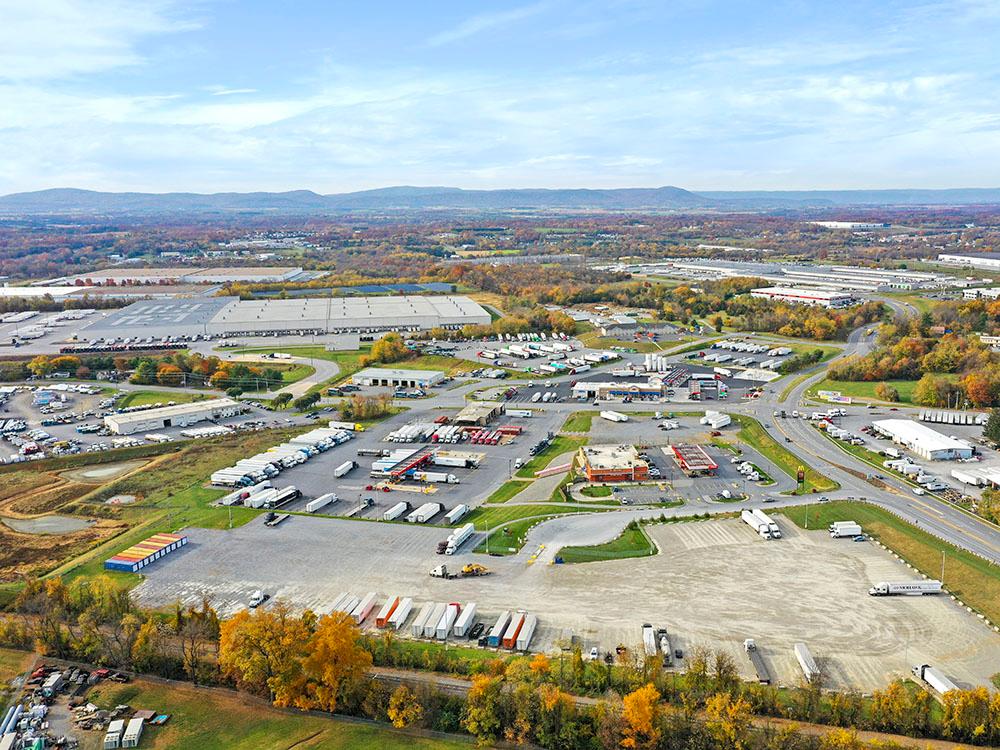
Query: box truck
[[841, 530]]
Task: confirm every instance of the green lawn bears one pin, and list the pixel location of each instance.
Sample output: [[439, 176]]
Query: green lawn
[[498, 515], [509, 539], [632, 542], [507, 490], [195, 723], [579, 421], [148, 398], [971, 578], [865, 390], [560, 444], [596, 490], [594, 340], [753, 434]]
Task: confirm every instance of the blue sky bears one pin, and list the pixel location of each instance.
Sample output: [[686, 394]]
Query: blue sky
[[336, 96]]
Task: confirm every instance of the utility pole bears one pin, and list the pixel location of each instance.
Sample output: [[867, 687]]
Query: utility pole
[[942, 567]]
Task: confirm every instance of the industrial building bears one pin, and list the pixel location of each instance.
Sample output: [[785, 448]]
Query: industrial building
[[374, 376], [178, 415], [229, 316], [649, 391], [692, 459], [922, 440], [480, 413], [991, 292], [975, 260], [612, 463], [818, 297], [131, 276]]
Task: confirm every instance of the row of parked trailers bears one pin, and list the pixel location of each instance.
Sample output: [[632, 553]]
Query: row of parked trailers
[[760, 522], [270, 463], [440, 620], [952, 417]]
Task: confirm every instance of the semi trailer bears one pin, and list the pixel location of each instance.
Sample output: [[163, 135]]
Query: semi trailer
[[750, 647], [459, 537], [905, 588]]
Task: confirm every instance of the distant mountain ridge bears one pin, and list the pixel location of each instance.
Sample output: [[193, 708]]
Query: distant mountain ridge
[[64, 201]]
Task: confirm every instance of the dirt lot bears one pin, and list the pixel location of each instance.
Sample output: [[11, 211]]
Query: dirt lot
[[714, 584], [34, 554]]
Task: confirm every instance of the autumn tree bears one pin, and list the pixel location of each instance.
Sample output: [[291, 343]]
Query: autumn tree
[[886, 392], [404, 708], [482, 709], [991, 430], [641, 715], [263, 652], [728, 721], [334, 658]]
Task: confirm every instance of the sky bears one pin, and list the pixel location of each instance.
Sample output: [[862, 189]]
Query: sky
[[335, 96]]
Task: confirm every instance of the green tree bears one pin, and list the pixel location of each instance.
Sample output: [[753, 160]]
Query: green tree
[[304, 402], [991, 430]]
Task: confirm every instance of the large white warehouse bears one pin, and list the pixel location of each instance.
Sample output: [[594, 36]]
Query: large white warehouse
[[179, 415], [922, 440], [820, 297]]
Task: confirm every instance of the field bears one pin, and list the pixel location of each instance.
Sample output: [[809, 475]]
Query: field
[[594, 340], [633, 542], [249, 724], [866, 390], [560, 444], [507, 490], [969, 577], [489, 518], [579, 421], [753, 434], [169, 496], [509, 539], [598, 490]]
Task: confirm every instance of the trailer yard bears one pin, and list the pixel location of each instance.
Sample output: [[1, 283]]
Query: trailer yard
[[705, 565]]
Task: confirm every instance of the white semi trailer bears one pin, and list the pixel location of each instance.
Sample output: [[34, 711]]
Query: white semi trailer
[[905, 588]]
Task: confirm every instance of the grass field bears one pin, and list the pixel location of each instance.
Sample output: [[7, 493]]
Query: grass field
[[594, 340], [560, 444], [509, 539], [147, 398], [753, 434], [579, 421], [596, 490], [971, 578], [865, 390], [633, 542], [12, 663], [498, 515], [507, 490], [248, 725]]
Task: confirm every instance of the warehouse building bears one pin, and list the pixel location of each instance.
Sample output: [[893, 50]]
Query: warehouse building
[[817, 297], [653, 390], [692, 459], [975, 260], [480, 413], [126, 276], [922, 440], [612, 463], [373, 376], [991, 292], [178, 415], [229, 316]]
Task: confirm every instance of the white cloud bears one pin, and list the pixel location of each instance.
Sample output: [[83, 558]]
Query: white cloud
[[49, 39], [486, 22]]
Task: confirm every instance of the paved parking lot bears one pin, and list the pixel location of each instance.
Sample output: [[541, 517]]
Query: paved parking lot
[[714, 584]]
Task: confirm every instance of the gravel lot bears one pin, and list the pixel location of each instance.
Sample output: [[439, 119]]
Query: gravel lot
[[714, 584]]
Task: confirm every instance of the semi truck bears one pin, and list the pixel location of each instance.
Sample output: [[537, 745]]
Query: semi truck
[[460, 537], [614, 416], [750, 519], [750, 647], [649, 639], [806, 662], [933, 677], [773, 531], [344, 468], [905, 588]]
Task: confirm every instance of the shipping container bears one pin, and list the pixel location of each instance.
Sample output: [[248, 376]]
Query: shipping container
[[398, 618], [495, 637], [382, 618], [513, 630], [527, 633], [465, 620]]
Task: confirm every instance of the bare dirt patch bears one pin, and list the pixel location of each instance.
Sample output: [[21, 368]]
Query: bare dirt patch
[[34, 554], [102, 473]]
